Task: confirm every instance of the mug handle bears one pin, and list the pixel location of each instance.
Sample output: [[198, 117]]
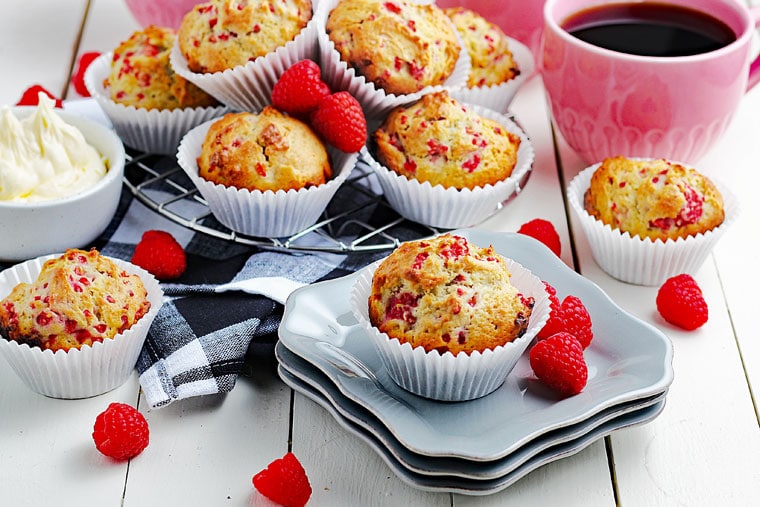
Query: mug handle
[[754, 68]]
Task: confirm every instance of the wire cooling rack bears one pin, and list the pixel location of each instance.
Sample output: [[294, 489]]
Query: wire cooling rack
[[358, 219]]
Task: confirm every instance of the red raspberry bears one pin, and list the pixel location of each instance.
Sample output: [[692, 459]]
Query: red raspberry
[[160, 254], [120, 432], [284, 481], [31, 96], [680, 302], [339, 119], [554, 324], [544, 231], [78, 78], [576, 319], [559, 363], [299, 89]]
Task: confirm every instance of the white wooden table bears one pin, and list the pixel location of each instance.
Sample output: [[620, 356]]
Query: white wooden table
[[704, 449]]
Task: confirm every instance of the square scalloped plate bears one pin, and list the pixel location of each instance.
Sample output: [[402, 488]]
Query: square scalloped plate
[[465, 486], [628, 360], [313, 383]]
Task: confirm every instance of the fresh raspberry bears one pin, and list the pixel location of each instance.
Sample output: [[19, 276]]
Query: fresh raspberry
[[544, 231], [299, 89], [680, 302], [559, 363], [78, 78], [340, 121], [31, 96], [284, 481], [577, 320], [160, 254], [120, 432], [554, 324]]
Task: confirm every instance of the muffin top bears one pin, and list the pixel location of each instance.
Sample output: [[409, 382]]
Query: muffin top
[[141, 75], [222, 34], [655, 199], [77, 299], [399, 46], [442, 141], [263, 151], [446, 294], [491, 59]]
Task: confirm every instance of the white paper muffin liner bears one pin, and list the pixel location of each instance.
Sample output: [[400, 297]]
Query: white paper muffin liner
[[499, 97], [448, 377], [643, 261], [265, 214], [249, 87], [85, 372], [451, 208], [375, 101], [148, 130]]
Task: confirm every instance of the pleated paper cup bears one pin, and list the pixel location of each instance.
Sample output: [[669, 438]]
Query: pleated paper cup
[[78, 373], [263, 214], [148, 130], [452, 208], [375, 101], [498, 97], [447, 377], [643, 261], [249, 87]]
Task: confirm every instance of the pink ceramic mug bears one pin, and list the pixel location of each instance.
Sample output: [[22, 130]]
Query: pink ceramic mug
[[609, 103]]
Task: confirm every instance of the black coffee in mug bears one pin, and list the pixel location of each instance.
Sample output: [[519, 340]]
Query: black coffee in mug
[[649, 29]]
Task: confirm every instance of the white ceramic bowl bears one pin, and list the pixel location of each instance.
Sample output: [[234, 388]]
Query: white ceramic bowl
[[31, 229]]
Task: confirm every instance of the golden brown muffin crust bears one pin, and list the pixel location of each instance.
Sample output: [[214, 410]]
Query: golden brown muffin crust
[[77, 299], [447, 294], [141, 74], [264, 151], [444, 142], [491, 60], [222, 34], [655, 199], [399, 46]]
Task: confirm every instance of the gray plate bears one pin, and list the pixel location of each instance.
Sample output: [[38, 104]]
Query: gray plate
[[315, 383], [628, 360], [454, 484]]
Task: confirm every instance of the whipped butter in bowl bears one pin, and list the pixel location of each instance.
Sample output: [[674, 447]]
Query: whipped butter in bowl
[[60, 180]]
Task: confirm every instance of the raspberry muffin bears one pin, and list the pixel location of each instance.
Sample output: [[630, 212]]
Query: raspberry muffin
[[445, 309], [447, 164], [655, 199], [72, 325], [223, 34], [649, 219], [141, 75], [236, 50], [388, 54], [400, 46], [150, 106], [78, 299], [263, 151], [499, 65], [263, 174], [444, 142], [446, 295]]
